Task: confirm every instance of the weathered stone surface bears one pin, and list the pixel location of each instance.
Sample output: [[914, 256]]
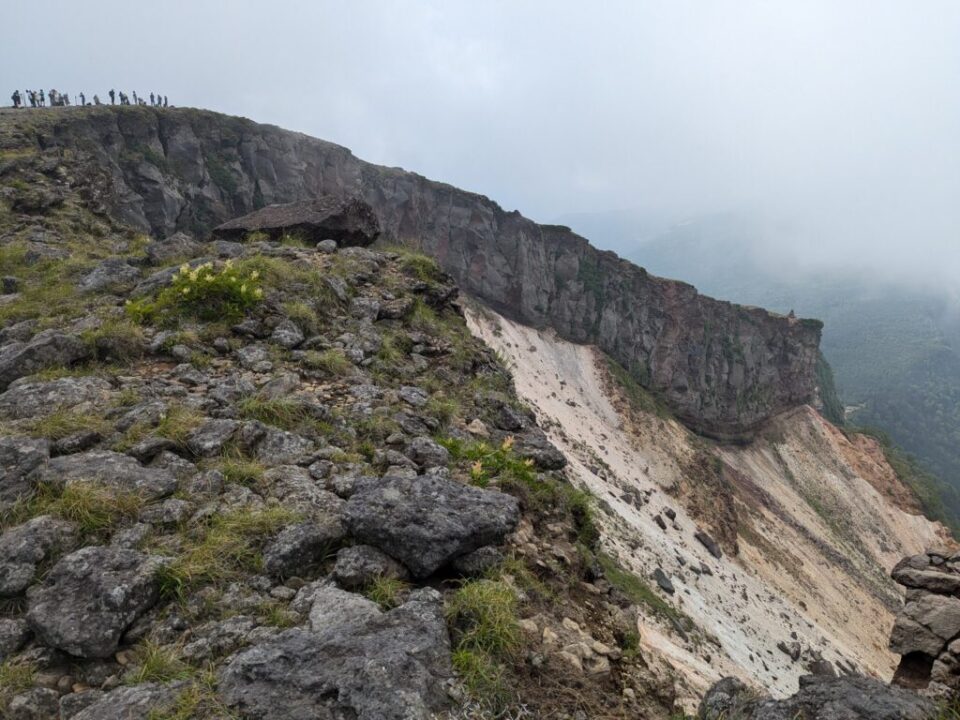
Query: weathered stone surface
[[90, 597], [359, 565], [171, 248], [362, 665], [287, 334], [22, 548], [35, 704], [13, 635], [348, 222], [333, 607], [478, 562], [722, 368], [819, 698], [19, 456], [427, 452], [109, 274], [108, 468], [298, 548], [709, 543], [209, 438], [26, 399], [426, 521], [50, 348], [132, 701]]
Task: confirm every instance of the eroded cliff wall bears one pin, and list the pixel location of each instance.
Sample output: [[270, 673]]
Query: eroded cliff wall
[[722, 368]]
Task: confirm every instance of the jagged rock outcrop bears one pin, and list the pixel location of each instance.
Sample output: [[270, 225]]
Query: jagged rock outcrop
[[927, 630], [347, 222], [819, 698], [722, 368]]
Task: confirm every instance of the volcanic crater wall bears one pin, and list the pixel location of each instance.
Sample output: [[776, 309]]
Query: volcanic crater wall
[[722, 368]]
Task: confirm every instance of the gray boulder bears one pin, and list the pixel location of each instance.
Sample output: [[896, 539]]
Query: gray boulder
[[19, 456], [111, 469], [333, 607], [359, 565], [173, 247], [50, 348], [36, 704], [26, 399], [298, 548], [364, 665], [13, 636], [287, 334], [426, 521], [210, 437], [819, 698], [22, 548], [109, 274], [132, 701], [90, 598], [427, 453]]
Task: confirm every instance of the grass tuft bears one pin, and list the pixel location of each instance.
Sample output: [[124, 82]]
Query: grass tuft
[[15, 678], [387, 592], [159, 663]]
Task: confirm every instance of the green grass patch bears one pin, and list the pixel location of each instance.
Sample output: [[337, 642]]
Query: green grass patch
[[239, 469], [63, 423], [159, 663], [638, 591], [332, 362], [97, 510], [387, 592], [15, 678], [177, 424], [283, 413], [227, 547]]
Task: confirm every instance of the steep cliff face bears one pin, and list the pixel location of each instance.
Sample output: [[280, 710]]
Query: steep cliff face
[[722, 368], [807, 523]]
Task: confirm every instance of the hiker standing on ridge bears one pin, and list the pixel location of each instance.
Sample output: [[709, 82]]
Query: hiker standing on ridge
[[43, 100], [16, 99], [112, 97], [83, 99]]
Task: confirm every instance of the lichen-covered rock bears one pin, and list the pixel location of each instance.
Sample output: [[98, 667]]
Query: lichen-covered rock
[[22, 548], [819, 698], [365, 665], [359, 565], [111, 469], [132, 701], [426, 521], [27, 399], [50, 348], [109, 274], [14, 633], [427, 452], [177, 246], [211, 436], [90, 597], [298, 548], [36, 704], [19, 456]]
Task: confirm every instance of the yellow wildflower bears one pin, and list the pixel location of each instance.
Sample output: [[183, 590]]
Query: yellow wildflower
[[186, 291], [255, 274], [258, 293], [507, 443], [243, 288], [184, 269]]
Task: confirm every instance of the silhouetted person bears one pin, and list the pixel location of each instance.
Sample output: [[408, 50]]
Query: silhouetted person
[[164, 100], [16, 98], [112, 97], [151, 99], [83, 99], [32, 97], [52, 94], [135, 101], [42, 99], [96, 99]]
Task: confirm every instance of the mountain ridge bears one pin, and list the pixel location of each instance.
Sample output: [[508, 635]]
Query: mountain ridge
[[724, 369]]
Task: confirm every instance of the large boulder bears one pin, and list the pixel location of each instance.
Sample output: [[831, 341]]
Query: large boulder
[[298, 548], [90, 597], [22, 548], [50, 348], [25, 398], [358, 663], [347, 221], [427, 521], [132, 701], [19, 456], [359, 565], [819, 698], [178, 246], [110, 469], [109, 274]]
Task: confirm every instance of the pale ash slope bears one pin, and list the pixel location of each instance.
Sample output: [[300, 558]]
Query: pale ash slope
[[817, 518]]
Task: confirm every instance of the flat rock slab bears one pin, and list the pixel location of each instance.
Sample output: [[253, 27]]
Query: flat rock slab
[[90, 597], [111, 469], [349, 222], [22, 548], [133, 701], [428, 520], [362, 664], [26, 399]]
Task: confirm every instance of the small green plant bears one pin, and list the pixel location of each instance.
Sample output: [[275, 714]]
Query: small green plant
[[177, 424], [386, 592], [159, 663], [117, 340], [276, 614], [489, 463], [637, 590], [96, 509], [204, 293], [239, 469], [303, 315], [198, 700], [283, 413]]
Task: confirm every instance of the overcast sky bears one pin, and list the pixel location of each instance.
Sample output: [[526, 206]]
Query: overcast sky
[[836, 121]]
